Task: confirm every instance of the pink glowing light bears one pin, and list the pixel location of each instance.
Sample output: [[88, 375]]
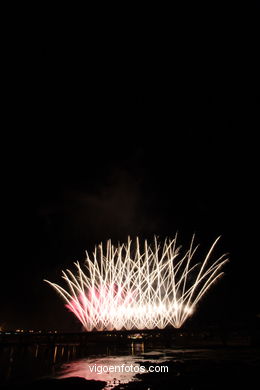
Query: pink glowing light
[[151, 288]]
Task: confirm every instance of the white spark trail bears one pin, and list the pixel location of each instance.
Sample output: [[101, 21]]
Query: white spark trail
[[135, 287]]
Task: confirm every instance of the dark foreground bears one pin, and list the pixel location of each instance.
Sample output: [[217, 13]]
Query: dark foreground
[[218, 368], [201, 374], [203, 359]]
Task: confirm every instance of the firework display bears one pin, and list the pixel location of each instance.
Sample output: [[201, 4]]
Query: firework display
[[139, 286]]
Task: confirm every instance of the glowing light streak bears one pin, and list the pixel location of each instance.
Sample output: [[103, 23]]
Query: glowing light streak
[[130, 287]]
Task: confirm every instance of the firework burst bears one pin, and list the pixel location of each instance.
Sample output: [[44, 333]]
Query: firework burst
[[139, 287]]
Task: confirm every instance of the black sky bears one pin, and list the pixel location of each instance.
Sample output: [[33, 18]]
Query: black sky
[[110, 135]]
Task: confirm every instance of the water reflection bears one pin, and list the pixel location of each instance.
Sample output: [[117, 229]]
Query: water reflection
[[111, 369], [36, 351], [137, 348], [34, 361], [23, 363], [29, 362], [55, 354], [98, 369]]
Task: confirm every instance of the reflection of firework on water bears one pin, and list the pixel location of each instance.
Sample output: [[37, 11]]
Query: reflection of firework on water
[[129, 287]]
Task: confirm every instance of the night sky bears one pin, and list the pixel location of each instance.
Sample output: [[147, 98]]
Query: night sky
[[133, 135]]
